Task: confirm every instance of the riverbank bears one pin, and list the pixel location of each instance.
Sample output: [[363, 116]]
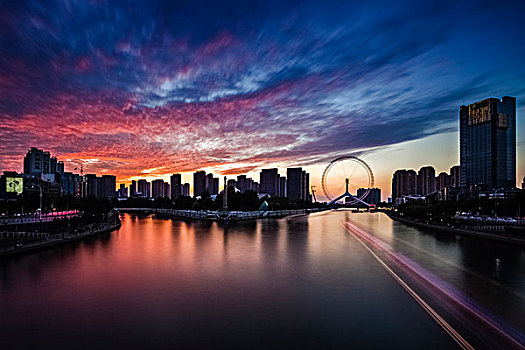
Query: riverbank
[[500, 237], [209, 215], [59, 239]]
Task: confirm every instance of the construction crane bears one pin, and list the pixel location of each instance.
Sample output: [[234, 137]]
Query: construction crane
[[313, 194]]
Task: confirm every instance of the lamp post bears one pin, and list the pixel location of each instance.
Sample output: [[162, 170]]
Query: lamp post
[[40, 187]]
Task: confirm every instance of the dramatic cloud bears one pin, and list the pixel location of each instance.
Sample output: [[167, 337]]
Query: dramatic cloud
[[147, 87]]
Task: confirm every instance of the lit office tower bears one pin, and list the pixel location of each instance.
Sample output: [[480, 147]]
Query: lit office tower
[[157, 187], [403, 184], [199, 183], [426, 180], [176, 185], [269, 182], [487, 141], [454, 176]]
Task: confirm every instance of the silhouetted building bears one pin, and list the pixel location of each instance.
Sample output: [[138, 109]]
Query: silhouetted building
[[157, 188], [442, 181], [269, 181], [199, 183], [91, 185], [186, 189], [133, 188], [282, 186], [167, 190], [142, 188], [455, 176], [426, 180], [404, 183], [488, 143], [108, 186], [122, 191], [176, 185], [373, 196], [297, 184]]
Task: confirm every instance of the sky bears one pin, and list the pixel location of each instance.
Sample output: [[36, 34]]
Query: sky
[[144, 89]]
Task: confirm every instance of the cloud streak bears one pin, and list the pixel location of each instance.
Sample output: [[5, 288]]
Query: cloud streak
[[169, 87]]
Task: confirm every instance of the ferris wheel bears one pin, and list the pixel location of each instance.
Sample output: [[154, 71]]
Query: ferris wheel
[[350, 172]]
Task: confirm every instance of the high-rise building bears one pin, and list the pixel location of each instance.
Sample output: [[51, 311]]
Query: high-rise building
[[186, 189], [404, 183], [176, 185], [92, 185], [442, 181], [232, 183], [294, 185], [269, 181], [133, 188], [455, 176], [108, 186], [122, 191], [199, 183], [142, 188], [282, 186], [488, 143], [426, 180], [306, 187], [157, 187], [297, 184], [167, 190], [373, 196]]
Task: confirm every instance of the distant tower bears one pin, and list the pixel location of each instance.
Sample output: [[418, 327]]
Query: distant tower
[[225, 195]]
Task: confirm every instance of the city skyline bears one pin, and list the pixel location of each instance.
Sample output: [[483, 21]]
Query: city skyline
[[137, 96]]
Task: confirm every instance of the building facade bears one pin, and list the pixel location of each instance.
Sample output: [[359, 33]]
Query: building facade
[[488, 144]]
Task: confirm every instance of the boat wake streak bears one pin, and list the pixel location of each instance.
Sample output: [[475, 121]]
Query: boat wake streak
[[449, 298]]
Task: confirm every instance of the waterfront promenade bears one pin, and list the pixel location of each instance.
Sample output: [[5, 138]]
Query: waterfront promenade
[[213, 215]]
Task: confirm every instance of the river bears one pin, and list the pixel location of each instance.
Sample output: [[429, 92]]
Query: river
[[307, 281]]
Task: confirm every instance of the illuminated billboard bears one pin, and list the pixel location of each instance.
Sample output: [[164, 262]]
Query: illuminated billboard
[[14, 184]]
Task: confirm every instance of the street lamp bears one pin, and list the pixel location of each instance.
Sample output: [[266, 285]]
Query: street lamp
[[40, 187]]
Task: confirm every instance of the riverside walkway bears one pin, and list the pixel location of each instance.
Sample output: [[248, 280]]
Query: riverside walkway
[[221, 215]]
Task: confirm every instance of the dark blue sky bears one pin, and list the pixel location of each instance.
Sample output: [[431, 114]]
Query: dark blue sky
[[233, 86]]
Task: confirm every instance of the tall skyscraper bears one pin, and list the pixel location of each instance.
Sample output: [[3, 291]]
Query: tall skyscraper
[[199, 183], [297, 184], [142, 188], [176, 185], [108, 186], [132, 188], [373, 196], [92, 185], [157, 188], [186, 189], [269, 181], [488, 143], [426, 180], [404, 183], [455, 176], [167, 190], [442, 181]]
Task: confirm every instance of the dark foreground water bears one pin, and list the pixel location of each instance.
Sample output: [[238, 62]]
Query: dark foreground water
[[301, 282]]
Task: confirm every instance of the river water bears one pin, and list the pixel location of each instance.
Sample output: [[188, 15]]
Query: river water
[[303, 281]]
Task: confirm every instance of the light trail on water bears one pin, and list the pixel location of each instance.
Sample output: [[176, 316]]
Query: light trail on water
[[445, 292]]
